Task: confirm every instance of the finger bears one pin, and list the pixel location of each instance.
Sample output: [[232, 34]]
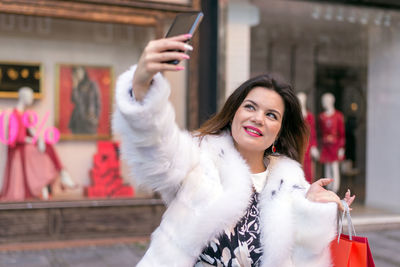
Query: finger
[[180, 38], [327, 196], [167, 44], [165, 67], [167, 56], [350, 200], [336, 198], [347, 195], [324, 181]]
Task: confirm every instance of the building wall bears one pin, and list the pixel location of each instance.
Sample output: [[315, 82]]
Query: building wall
[[383, 143]]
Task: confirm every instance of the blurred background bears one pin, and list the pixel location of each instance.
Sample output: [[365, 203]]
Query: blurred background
[[71, 197]]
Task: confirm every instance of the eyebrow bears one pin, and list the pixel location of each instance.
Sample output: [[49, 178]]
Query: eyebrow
[[255, 104]]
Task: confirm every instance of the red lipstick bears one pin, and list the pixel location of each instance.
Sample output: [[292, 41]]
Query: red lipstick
[[253, 131]]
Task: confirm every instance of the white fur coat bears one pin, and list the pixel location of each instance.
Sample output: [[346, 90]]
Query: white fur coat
[[207, 188]]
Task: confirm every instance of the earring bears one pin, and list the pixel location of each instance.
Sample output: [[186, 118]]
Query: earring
[[273, 148]]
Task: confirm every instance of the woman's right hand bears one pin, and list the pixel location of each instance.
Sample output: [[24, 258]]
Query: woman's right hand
[[153, 59]]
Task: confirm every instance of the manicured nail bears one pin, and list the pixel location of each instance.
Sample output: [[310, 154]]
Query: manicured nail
[[188, 47], [180, 68], [188, 35], [185, 57]]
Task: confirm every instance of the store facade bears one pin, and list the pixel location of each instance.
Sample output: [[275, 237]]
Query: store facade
[[348, 49], [69, 182]]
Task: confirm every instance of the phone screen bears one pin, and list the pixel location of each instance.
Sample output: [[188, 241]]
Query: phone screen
[[185, 23]]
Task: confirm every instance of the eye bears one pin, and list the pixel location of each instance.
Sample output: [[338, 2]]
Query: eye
[[250, 107], [272, 115]]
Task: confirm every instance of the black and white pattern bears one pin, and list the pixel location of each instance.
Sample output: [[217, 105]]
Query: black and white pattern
[[239, 246]]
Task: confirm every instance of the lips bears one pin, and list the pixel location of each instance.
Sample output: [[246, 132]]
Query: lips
[[253, 131]]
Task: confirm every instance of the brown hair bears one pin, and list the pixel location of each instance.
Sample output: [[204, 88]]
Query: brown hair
[[293, 135]]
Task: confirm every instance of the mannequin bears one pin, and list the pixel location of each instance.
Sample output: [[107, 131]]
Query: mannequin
[[30, 168], [311, 150], [331, 125]]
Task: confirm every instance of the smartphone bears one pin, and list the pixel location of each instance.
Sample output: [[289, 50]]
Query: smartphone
[[184, 23]]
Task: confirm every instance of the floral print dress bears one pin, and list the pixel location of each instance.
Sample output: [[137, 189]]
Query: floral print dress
[[239, 246]]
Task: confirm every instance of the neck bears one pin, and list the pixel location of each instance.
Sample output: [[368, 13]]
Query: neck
[[254, 160], [329, 111], [20, 106]]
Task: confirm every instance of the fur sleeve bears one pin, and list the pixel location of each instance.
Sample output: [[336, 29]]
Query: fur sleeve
[[315, 229], [312, 225], [158, 153]]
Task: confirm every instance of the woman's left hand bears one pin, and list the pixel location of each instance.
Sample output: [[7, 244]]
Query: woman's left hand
[[317, 193]]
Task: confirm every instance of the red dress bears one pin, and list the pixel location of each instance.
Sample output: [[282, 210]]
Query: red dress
[[27, 170], [312, 142], [333, 136]]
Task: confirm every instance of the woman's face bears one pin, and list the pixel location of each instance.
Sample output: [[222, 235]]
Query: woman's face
[[257, 121]]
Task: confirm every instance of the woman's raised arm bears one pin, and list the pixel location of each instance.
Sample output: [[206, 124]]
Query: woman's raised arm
[[158, 153], [154, 58]]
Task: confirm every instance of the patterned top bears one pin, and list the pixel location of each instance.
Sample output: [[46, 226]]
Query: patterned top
[[239, 246]]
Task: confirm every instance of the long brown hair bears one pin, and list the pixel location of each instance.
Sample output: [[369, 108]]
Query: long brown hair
[[293, 135]]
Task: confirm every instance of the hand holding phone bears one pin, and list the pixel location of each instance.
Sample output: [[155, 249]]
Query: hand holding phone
[[184, 23]]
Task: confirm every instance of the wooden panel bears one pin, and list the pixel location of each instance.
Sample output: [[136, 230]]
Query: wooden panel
[[62, 223], [179, 6], [80, 11], [18, 224], [127, 12], [91, 220]]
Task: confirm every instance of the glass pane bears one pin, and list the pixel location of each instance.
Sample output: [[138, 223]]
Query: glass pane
[[352, 53], [71, 67]]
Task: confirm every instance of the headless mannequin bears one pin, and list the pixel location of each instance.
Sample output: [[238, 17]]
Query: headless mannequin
[[331, 167], [312, 150], [25, 99]]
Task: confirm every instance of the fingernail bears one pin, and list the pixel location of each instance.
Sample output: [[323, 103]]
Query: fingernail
[[188, 35], [188, 47], [186, 57], [180, 68]]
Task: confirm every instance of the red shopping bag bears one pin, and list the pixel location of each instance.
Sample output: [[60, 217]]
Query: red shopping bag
[[351, 253], [350, 250]]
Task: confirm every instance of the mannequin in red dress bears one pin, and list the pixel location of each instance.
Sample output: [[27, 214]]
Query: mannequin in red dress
[[312, 150], [30, 168], [331, 126]]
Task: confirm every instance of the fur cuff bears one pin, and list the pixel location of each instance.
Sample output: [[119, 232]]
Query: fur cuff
[[156, 97], [315, 222]]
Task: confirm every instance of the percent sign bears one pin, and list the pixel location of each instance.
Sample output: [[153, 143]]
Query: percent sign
[[29, 119]]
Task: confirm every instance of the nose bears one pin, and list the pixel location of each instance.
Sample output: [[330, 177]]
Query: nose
[[258, 118]]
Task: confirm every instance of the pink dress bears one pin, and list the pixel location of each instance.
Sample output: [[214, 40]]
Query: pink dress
[[312, 141], [27, 170], [333, 136]]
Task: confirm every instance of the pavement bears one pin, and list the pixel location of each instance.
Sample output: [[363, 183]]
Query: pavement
[[381, 228], [93, 254]]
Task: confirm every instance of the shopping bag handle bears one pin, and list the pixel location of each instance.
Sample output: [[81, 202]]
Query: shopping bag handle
[[350, 226]]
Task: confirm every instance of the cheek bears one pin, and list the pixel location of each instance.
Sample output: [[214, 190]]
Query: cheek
[[235, 124], [274, 129]]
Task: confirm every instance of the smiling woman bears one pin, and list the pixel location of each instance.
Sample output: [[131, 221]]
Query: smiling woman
[[231, 201], [267, 100]]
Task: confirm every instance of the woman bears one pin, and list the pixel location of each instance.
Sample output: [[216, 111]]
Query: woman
[[230, 200]]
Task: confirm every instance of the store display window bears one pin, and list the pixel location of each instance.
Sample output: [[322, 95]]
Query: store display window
[[351, 53], [56, 91]]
